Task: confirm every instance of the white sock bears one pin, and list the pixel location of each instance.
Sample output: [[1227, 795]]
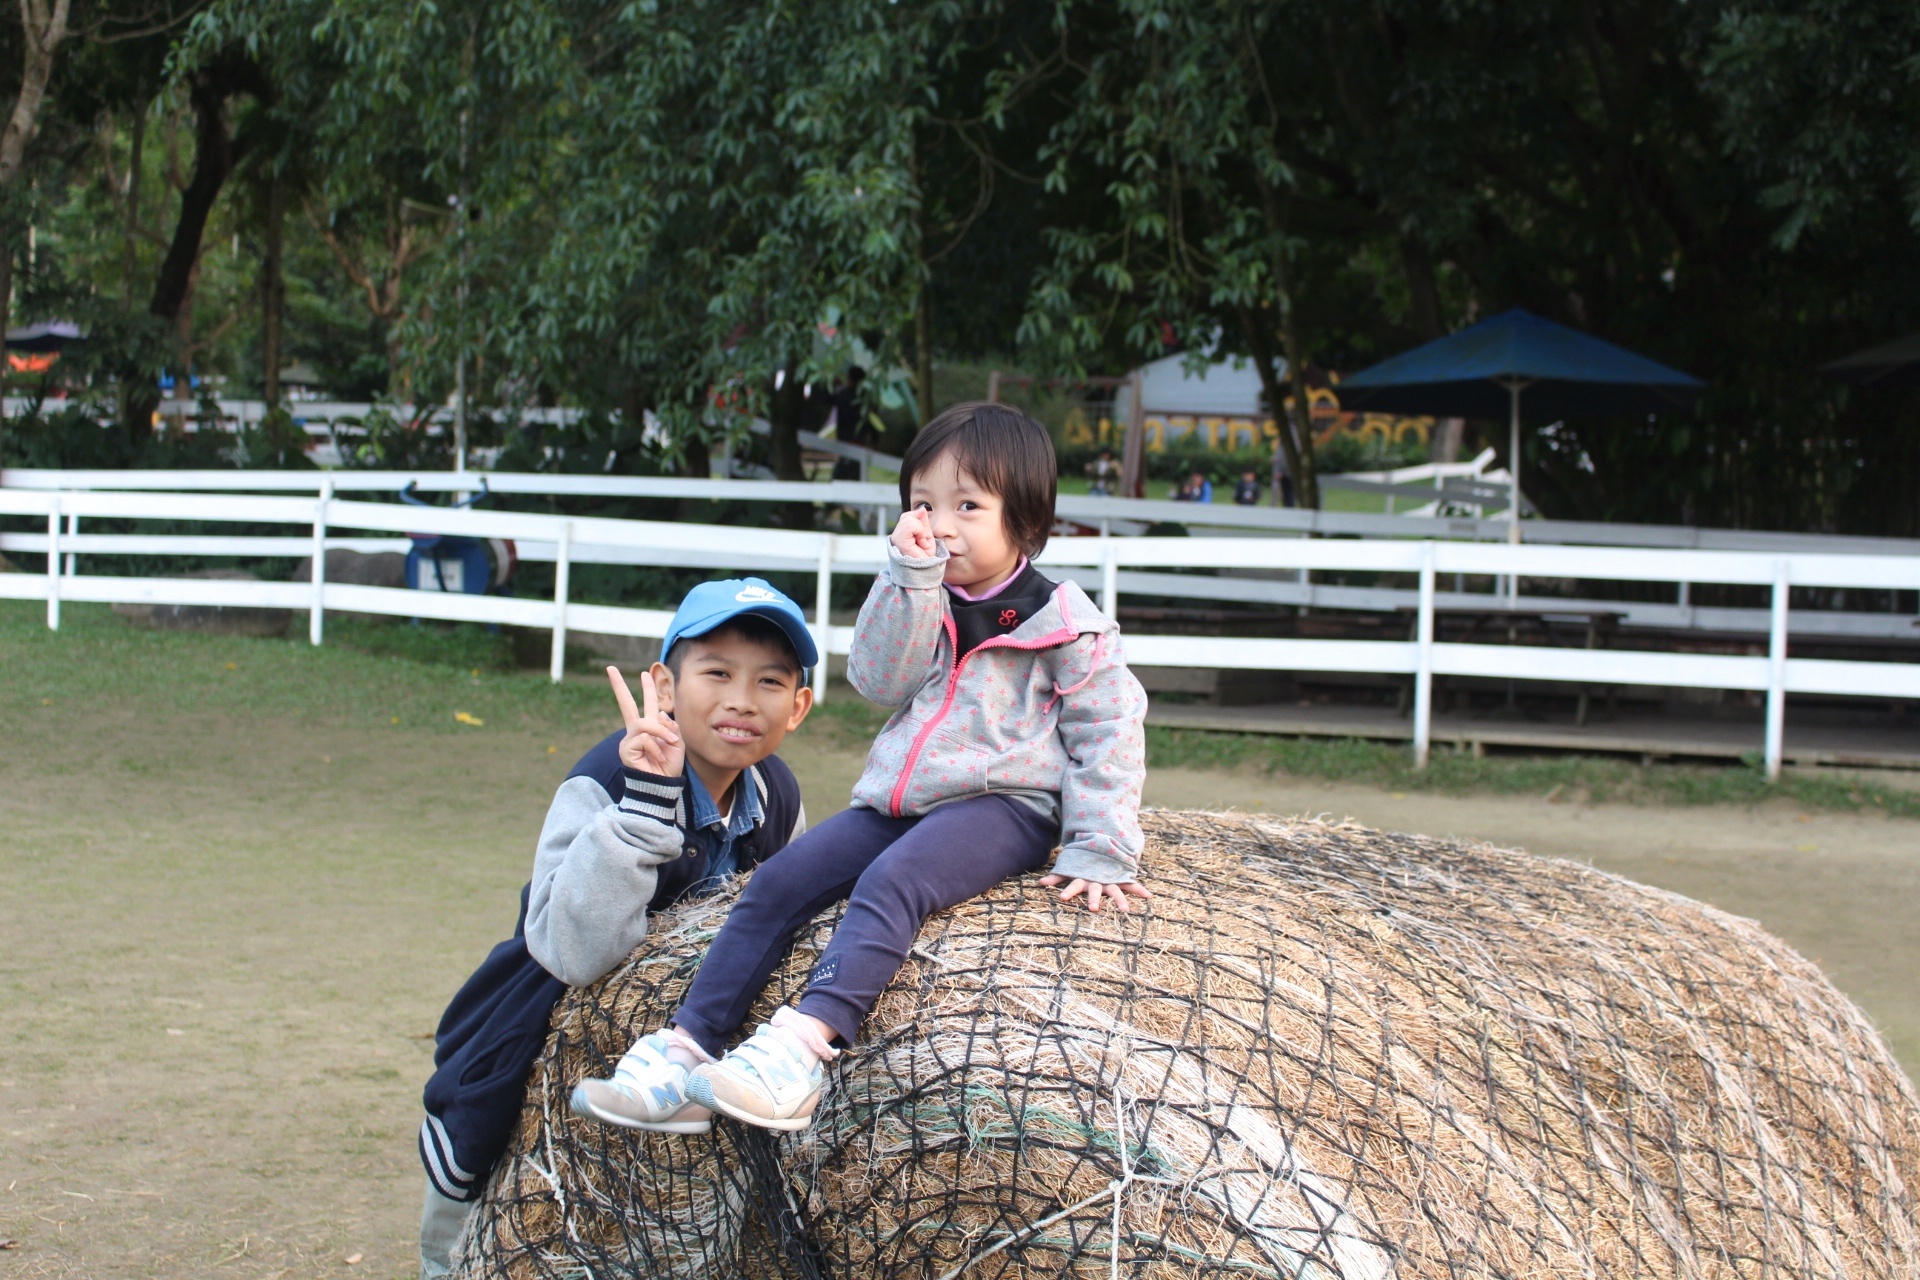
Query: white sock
[[684, 1049]]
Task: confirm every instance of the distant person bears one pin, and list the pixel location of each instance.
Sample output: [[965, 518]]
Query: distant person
[[1247, 492], [1103, 475], [662, 810], [1043, 748], [1196, 489]]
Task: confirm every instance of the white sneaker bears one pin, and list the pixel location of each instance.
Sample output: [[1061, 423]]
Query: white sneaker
[[772, 1081], [648, 1091]]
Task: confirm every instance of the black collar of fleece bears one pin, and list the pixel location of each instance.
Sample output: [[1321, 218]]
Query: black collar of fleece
[[1002, 613]]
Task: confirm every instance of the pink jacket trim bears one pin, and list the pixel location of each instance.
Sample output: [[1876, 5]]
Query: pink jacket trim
[[1048, 641]]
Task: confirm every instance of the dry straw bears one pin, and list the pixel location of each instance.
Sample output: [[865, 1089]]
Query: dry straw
[[1326, 1051]]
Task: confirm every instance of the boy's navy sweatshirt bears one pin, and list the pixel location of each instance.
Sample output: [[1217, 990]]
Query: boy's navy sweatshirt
[[602, 865]]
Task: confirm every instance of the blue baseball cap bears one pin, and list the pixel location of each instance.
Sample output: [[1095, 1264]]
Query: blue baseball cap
[[712, 603]]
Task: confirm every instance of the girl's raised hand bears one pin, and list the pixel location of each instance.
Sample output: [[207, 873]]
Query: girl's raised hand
[[652, 744], [913, 535], [1098, 893]]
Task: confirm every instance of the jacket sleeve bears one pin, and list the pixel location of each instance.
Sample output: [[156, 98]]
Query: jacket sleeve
[[1102, 720], [897, 635], [595, 871]]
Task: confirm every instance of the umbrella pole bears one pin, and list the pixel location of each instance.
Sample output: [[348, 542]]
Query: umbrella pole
[[1513, 460], [1513, 506]]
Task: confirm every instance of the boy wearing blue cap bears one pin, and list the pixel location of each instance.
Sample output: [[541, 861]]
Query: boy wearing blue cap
[[688, 793]]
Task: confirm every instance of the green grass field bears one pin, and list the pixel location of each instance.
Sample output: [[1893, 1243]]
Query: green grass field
[[242, 878]]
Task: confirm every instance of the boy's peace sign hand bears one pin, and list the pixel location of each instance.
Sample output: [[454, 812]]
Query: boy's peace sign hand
[[652, 744], [913, 535]]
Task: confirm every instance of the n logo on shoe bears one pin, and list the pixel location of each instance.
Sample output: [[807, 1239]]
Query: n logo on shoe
[[666, 1098]]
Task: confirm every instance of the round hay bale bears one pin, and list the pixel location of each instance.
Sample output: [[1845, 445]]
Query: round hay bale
[[1325, 1052]]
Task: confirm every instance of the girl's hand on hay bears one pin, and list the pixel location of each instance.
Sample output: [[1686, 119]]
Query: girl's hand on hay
[[652, 744], [913, 535], [1098, 893]]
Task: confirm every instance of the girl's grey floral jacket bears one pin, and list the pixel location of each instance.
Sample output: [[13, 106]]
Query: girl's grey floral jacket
[[1048, 714]]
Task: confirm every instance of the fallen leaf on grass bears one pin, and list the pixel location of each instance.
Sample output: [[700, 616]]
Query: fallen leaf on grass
[[467, 717], [353, 1259], [9, 1244]]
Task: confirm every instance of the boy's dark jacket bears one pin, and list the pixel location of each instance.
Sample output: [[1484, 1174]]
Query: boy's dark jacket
[[495, 1026]]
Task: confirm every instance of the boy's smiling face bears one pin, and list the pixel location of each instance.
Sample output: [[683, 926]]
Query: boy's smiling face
[[734, 700]]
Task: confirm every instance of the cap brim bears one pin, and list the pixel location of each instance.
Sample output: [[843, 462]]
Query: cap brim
[[795, 630]]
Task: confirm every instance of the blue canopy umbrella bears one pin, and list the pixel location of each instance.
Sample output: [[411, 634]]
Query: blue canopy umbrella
[[1480, 372]]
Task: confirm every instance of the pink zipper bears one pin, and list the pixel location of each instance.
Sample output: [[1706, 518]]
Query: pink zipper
[[953, 684]]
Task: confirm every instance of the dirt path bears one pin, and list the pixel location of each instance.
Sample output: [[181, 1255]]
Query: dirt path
[[227, 941]]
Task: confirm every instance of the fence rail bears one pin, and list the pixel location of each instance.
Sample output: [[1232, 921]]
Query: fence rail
[[1098, 561], [1243, 583], [1088, 511]]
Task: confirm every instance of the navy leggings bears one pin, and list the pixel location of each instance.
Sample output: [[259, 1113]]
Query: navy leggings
[[893, 873]]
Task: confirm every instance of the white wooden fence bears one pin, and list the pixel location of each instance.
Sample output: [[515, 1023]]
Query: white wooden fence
[[1112, 515], [1099, 560]]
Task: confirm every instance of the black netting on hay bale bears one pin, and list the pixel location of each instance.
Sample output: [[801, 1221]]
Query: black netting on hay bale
[[1326, 1052]]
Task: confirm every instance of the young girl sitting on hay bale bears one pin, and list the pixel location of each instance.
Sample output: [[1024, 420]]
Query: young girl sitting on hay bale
[[1019, 728]]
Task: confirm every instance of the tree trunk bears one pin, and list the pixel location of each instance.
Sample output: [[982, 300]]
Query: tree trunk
[[1306, 487], [215, 155], [273, 292], [696, 458], [6, 311], [1306, 484], [923, 356], [1296, 447], [1422, 290], [783, 412], [43, 28], [134, 162]]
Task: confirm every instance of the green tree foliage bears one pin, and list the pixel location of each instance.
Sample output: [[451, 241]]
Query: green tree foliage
[[685, 212]]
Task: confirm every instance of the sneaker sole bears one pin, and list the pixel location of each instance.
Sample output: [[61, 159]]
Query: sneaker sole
[[588, 1111], [702, 1093]]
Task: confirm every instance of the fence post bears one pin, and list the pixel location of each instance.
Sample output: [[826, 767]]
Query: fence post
[[1423, 672], [73, 531], [562, 570], [53, 564], [1777, 674], [1109, 574], [317, 617], [822, 619]]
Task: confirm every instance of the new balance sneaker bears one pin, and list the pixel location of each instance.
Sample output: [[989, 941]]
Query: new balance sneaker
[[648, 1091], [772, 1080]]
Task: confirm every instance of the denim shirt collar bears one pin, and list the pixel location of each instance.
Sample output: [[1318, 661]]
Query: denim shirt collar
[[704, 814]]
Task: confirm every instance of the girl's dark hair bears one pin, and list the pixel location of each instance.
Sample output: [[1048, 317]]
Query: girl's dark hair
[[1003, 449]]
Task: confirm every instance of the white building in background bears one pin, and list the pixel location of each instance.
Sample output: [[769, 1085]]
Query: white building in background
[[1224, 404], [1222, 401]]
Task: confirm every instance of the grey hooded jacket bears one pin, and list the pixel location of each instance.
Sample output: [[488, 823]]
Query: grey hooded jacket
[[1048, 713]]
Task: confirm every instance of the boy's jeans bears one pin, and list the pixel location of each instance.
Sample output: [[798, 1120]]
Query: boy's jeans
[[441, 1222]]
